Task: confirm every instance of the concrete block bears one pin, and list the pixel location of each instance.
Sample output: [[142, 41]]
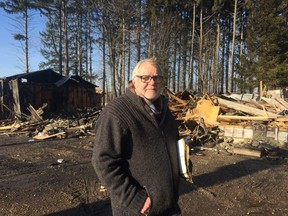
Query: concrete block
[[248, 133], [238, 132]]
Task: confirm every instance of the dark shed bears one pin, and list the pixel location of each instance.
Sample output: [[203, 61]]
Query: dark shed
[[60, 93]]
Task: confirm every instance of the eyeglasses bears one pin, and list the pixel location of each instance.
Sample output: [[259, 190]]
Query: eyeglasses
[[147, 78]]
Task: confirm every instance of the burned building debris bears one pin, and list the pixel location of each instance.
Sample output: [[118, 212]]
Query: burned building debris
[[225, 124], [206, 122], [45, 88]]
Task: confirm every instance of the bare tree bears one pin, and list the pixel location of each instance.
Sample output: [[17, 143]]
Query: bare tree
[[196, 42], [21, 8]]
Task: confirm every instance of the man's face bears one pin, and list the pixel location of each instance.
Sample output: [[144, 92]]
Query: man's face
[[148, 89]]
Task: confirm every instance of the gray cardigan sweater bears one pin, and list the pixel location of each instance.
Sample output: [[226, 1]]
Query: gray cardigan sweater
[[135, 155]]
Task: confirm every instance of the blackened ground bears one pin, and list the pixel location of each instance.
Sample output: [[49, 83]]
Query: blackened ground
[[34, 182]]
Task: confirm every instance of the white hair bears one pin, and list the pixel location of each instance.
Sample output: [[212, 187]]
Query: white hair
[[153, 61]]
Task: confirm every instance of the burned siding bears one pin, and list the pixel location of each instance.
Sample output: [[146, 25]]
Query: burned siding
[[60, 93], [77, 93]]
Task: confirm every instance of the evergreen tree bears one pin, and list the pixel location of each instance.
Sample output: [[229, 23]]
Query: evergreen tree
[[194, 41], [267, 43]]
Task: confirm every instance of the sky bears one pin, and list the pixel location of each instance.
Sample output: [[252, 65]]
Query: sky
[[11, 54]]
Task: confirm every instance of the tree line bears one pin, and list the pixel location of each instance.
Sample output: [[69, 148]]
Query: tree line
[[213, 46]]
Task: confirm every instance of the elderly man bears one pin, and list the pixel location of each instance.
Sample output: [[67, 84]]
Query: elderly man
[[135, 154]]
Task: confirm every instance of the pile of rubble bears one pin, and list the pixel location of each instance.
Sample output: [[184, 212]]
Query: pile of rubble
[[227, 124], [62, 125], [215, 123]]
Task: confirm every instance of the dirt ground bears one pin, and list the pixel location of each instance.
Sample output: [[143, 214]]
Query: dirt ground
[[34, 182]]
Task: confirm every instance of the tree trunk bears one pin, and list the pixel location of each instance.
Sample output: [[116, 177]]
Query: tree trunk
[[122, 82], [231, 86], [206, 65], [178, 68], [200, 60], [60, 40], [191, 76], [105, 91], [66, 41], [139, 32], [222, 73], [129, 58], [215, 71], [173, 73], [80, 44], [25, 14], [150, 37], [241, 53], [184, 57], [227, 54]]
